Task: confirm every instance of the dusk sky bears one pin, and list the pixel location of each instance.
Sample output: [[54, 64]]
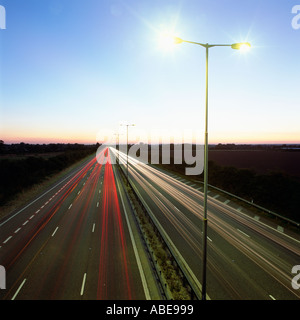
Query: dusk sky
[[71, 70]]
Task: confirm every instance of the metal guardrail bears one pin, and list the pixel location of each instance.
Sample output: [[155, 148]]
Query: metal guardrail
[[158, 272], [189, 278], [187, 273]]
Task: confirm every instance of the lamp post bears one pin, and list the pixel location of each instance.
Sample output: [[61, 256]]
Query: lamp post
[[127, 125], [237, 46], [118, 141]]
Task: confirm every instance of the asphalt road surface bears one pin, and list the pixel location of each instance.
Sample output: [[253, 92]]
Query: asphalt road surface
[[246, 258], [77, 240]]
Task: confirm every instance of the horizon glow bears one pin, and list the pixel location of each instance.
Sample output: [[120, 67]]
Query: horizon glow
[[69, 69]]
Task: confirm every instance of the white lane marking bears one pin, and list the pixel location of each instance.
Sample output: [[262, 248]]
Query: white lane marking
[[31, 217], [54, 232], [280, 228], [70, 206], [78, 192], [17, 230], [97, 204], [272, 297], [83, 284], [209, 239], [93, 227], [25, 222], [17, 292], [7, 239], [245, 234]]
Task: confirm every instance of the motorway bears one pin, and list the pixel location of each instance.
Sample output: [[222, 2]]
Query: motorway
[[77, 240], [247, 259]]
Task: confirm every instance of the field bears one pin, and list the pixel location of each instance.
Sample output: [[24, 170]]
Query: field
[[262, 162]]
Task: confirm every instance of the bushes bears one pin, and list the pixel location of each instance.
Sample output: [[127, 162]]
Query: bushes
[[18, 174]]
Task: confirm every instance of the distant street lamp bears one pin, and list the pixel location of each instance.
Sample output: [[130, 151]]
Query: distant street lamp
[[238, 46], [118, 141], [127, 125]]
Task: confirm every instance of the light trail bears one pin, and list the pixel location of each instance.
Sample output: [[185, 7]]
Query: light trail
[[112, 237], [165, 195]]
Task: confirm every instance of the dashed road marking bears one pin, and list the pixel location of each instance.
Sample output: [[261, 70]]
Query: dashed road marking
[[17, 292], [7, 239], [83, 284], [54, 232], [280, 228]]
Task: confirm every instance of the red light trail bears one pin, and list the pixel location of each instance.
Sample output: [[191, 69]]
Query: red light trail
[[112, 240]]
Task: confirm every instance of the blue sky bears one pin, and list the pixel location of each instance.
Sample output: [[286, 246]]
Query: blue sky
[[71, 70]]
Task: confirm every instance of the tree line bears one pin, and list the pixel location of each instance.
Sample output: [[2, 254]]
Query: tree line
[[276, 191], [16, 175], [28, 148]]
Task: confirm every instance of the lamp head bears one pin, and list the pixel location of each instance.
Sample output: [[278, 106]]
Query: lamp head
[[243, 46], [177, 40]]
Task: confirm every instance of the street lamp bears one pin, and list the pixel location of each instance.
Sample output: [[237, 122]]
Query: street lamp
[[127, 125], [118, 141], [238, 46]]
